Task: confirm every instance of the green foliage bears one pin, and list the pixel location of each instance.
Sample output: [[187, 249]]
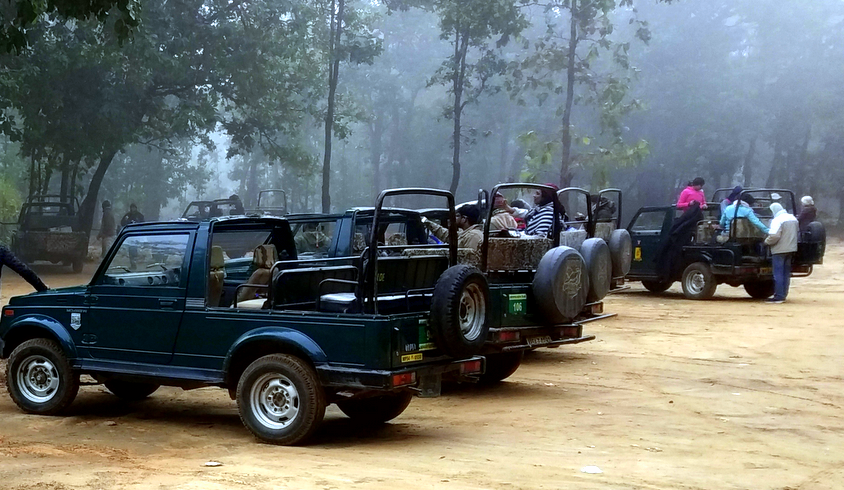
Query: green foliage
[[538, 159], [10, 205]]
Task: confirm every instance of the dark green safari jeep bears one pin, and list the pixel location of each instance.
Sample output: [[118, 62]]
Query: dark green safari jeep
[[702, 255], [293, 337]]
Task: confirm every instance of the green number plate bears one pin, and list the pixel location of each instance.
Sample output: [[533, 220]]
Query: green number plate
[[517, 304], [425, 340]]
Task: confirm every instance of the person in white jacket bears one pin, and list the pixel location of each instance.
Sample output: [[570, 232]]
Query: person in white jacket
[[782, 238]]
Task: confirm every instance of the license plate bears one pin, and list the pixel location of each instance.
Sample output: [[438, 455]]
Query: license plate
[[766, 270], [541, 340]]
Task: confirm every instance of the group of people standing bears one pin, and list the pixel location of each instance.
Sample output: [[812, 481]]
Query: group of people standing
[[108, 227], [781, 236]]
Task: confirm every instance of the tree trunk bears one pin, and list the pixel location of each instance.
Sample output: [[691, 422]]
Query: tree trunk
[[747, 170], [333, 76], [32, 177], [461, 46], [73, 182], [65, 180], [89, 204], [565, 165], [376, 133], [777, 164]]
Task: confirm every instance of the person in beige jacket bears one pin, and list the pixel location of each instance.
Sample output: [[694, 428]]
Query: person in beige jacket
[[501, 219], [471, 234], [782, 238]]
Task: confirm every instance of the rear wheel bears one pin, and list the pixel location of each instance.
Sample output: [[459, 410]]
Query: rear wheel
[[657, 286], [501, 366], [698, 281], [129, 390], [376, 409], [39, 377], [280, 399], [759, 289]]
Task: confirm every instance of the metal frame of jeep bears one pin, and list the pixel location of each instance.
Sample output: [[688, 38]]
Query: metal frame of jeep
[[366, 362]]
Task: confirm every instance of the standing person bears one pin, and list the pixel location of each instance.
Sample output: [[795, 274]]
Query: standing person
[[692, 192], [808, 212], [782, 238], [735, 194], [8, 259], [471, 234], [133, 216], [501, 219], [237, 206], [108, 228]]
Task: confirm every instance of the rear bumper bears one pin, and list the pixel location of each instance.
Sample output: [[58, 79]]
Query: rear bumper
[[511, 339], [369, 379]]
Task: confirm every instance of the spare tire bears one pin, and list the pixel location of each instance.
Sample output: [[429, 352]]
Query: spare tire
[[596, 254], [460, 311], [621, 251], [561, 284], [817, 236]]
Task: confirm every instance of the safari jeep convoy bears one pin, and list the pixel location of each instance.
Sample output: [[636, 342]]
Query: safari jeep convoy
[[705, 256], [366, 335]]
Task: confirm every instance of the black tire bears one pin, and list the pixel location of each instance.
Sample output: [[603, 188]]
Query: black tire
[[40, 379], [817, 236], [376, 409], [129, 390], [280, 399], [759, 289], [596, 254], [657, 286], [460, 311], [501, 366], [621, 250], [77, 266], [698, 281], [561, 285]]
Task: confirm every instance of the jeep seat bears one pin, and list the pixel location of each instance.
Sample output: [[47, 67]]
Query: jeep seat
[[216, 275], [515, 254], [263, 258]]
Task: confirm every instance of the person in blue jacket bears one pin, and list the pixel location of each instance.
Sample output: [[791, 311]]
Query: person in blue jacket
[[744, 211]]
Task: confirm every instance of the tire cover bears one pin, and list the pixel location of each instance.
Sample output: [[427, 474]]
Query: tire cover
[[561, 284], [817, 234], [596, 254], [621, 251]]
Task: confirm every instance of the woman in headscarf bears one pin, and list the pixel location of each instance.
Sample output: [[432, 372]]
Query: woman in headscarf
[[735, 194], [808, 212]]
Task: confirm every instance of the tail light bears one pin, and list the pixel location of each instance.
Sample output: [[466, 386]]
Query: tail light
[[404, 379], [508, 336], [470, 367], [8, 312]]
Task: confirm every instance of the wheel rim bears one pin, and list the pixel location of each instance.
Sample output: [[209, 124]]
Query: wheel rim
[[275, 401], [696, 282], [38, 379], [472, 312]]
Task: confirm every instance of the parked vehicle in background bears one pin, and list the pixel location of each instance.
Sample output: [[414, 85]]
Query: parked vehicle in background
[[48, 230], [366, 335], [211, 209], [711, 257], [271, 202]]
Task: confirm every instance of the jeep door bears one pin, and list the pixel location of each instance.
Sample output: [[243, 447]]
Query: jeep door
[[647, 230], [136, 302]]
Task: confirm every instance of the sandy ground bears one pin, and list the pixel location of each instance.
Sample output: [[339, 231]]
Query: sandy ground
[[674, 394]]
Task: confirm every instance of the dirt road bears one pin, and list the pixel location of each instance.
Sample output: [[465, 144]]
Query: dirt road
[[674, 394]]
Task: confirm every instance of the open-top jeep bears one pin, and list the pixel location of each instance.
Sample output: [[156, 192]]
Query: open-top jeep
[[703, 255], [48, 230], [294, 336]]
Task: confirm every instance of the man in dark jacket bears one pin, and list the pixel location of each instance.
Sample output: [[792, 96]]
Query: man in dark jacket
[[8, 259], [133, 216]]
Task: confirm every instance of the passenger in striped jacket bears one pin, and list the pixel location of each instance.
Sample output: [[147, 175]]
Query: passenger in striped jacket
[[540, 219]]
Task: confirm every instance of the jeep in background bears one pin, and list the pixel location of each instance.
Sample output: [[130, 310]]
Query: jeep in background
[[711, 257], [48, 230], [298, 334]]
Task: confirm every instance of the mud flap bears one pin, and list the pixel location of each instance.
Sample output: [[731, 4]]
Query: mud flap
[[430, 385]]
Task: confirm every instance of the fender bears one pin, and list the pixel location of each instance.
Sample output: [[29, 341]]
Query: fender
[[49, 326], [283, 335]]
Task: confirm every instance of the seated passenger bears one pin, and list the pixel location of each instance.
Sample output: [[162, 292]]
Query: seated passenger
[[604, 209], [311, 239], [744, 211], [501, 219], [736, 192], [471, 234], [539, 220]]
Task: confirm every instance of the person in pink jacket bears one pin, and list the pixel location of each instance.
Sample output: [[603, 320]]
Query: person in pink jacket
[[693, 192]]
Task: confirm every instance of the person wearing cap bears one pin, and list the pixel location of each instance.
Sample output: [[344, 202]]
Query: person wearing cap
[[744, 211], [8, 259], [108, 229], [808, 212], [736, 192], [471, 234], [501, 219], [782, 238], [692, 192], [540, 219]]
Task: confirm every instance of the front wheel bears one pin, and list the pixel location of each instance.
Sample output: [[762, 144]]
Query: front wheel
[[699, 281], [40, 378], [280, 399], [376, 409]]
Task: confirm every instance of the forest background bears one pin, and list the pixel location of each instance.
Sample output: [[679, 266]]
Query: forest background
[[160, 102]]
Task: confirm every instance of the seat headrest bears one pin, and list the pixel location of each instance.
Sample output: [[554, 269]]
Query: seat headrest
[[217, 259], [264, 256]]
